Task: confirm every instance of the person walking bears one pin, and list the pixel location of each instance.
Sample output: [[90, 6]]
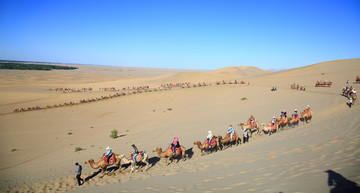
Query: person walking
[[78, 174]]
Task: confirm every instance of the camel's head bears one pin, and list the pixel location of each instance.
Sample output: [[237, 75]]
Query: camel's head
[[121, 156], [89, 161], [241, 124], [196, 142], [219, 137], [158, 149]]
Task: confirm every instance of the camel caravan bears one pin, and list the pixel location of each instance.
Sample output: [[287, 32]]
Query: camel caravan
[[211, 144], [230, 82], [125, 91], [297, 87], [349, 92], [71, 90], [323, 83]]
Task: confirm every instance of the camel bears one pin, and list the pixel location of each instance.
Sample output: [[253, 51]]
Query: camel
[[306, 116], [205, 146], [250, 127], [281, 122], [101, 163], [168, 153], [292, 120], [268, 129], [228, 141], [141, 157]]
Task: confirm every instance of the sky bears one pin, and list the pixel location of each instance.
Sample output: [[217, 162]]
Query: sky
[[184, 34]]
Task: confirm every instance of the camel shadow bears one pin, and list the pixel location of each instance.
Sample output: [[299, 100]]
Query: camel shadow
[[94, 174], [108, 170], [153, 161], [339, 183], [189, 153]]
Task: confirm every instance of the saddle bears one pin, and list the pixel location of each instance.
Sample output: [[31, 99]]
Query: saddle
[[177, 150], [112, 159], [213, 142], [140, 153], [295, 119], [233, 138]]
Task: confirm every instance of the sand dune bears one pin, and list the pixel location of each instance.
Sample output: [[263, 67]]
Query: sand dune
[[37, 151]]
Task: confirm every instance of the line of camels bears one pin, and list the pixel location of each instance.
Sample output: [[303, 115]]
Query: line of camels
[[217, 143], [134, 90]]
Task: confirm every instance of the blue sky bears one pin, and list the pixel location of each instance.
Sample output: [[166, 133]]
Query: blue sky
[[194, 34]]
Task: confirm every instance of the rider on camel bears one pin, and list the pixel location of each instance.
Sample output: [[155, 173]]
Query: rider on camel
[[175, 144], [108, 155], [231, 131], [295, 114], [251, 121], [283, 114], [209, 138], [135, 152], [273, 121]]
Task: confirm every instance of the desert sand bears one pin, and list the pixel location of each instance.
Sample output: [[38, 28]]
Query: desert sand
[[38, 147]]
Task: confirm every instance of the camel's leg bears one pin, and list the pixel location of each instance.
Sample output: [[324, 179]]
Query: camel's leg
[[147, 164], [119, 168], [103, 171]]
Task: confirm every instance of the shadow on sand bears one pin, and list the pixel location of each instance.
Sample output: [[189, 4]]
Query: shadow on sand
[[338, 183]]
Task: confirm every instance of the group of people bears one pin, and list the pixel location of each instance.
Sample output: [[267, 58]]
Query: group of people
[[176, 144], [70, 90], [235, 82], [322, 83], [297, 86], [350, 93], [134, 90]]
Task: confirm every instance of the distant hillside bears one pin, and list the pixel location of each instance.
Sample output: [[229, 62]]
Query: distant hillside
[[240, 71], [23, 65]]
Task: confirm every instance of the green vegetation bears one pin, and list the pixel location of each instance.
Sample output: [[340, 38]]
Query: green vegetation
[[244, 98], [13, 150], [20, 65], [69, 133], [169, 109], [77, 149], [114, 134]]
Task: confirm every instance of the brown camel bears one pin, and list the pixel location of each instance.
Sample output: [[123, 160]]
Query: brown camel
[[249, 127], [101, 163], [281, 122], [306, 116], [141, 157], [168, 153], [292, 120], [227, 141], [268, 129], [205, 146]]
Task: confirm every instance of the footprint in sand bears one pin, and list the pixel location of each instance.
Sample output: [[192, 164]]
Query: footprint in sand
[[207, 180], [238, 184]]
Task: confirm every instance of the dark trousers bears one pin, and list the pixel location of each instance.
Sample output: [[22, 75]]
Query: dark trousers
[[245, 139], [79, 179]]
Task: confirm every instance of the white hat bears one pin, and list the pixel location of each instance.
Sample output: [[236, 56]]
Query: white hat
[[108, 147], [295, 109], [274, 117], [209, 131]]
